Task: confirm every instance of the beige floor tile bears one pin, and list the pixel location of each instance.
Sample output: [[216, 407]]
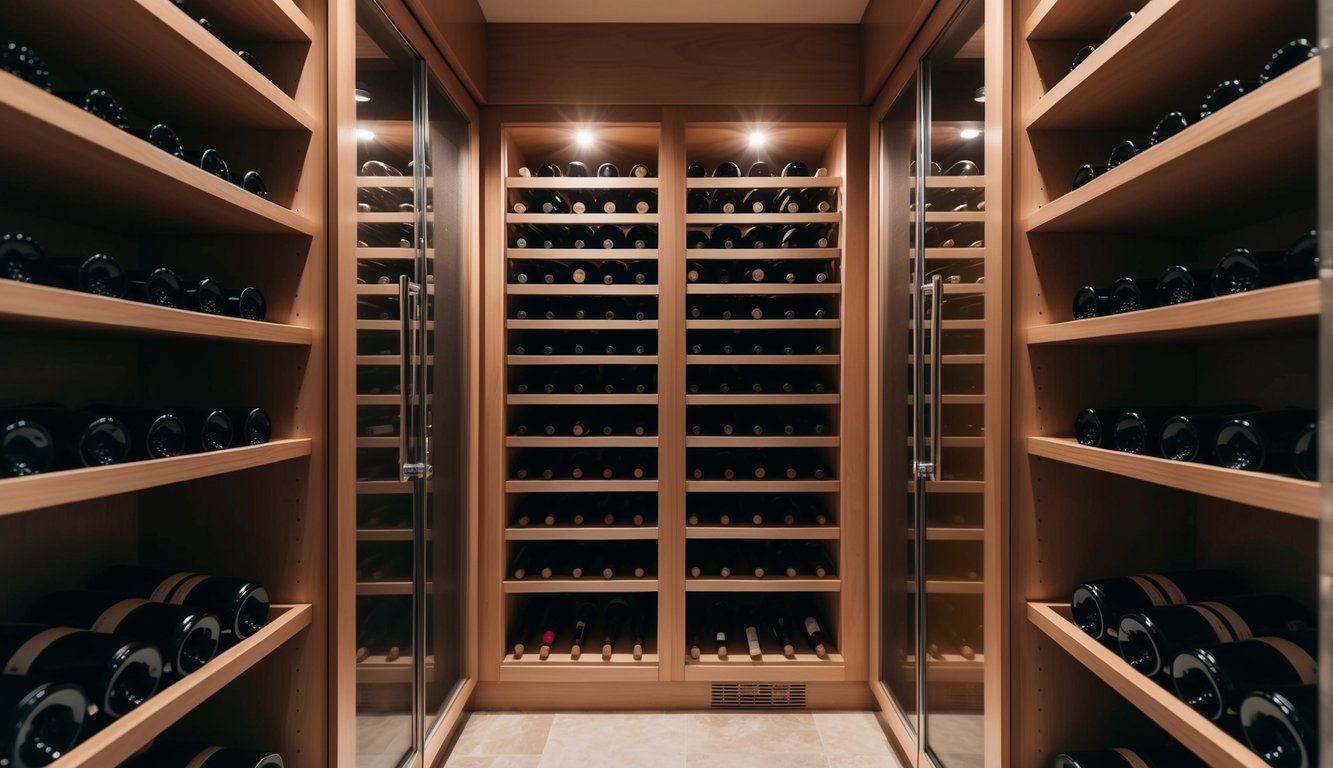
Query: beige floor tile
[[498, 761], [651, 735], [864, 761], [756, 760], [760, 733], [503, 733], [852, 733]]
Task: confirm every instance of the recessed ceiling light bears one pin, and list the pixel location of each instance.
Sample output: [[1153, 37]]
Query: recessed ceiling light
[[583, 137], [758, 139], [980, 95], [362, 93], [365, 134], [967, 134]]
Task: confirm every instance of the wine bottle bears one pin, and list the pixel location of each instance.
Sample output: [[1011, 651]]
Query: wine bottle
[[1095, 427], [23, 62], [806, 236], [80, 438], [210, 161], [156, 433], [246, 303], [117, 673], [640, 201], [725, 236], [548, 624], [610, 236], [697, 201], [1282, 725], [1264, 441], [547, 201], [779, 622], [162, 137], [187, 637], [814, 634], [725, 201], [100, 104], [241, 605], [640, 171], [796, 168], [1137, 430], [727, 170], [720, 621], [640, 622], [160, 286], [696, 239], [207, 429], [1187, 437], [1305, 452], [1124, 757], [1177, 285], [1287, 58], [583, 616], [1150, 639], [608, 171], [1214, 679], [758, 201], [180, 756], [251, 182], [1087, 173], [253, 425], [26, 446], [750, 620], [1097, 606], [206, 296], [43, 720], [695, 171], [641, 236], [1244, 270]]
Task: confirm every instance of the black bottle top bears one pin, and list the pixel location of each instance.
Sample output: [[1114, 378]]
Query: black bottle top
[[1287, 58], [576, 170], [608, 171], [22, 61], [727, 170]]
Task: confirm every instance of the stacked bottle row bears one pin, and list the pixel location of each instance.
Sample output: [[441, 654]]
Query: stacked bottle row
[[721, 626], [1246, 662], [575, 560], [80, 659], [590, 627], [758, 560], [585, 509]]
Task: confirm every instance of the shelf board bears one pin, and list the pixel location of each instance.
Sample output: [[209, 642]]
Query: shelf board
[[123, 738], [768, 254], [580, 586], [377, 442], [591, 219], [1194, 731], [581, 325], [385, 587], [589, 532], [769, 668], [958, 441], [378, 670], [949, 587], [586, 441], [111, 177], [955, 254], [581, 182], [581, 359], [591, 398], [955, 399], [952, 360], [951, 486], [952, 668], [157, 55], [955, 325], [387, 254], [276, 20], [384, 534], [761, 325], [1074, 20], [766, 584], [762, 289], [1171, 43], [386, 217], [763, 532], [1207, 169], [400, 182], [1279, 493], [582, 254], [950, 533], [762, 441], [951, 182], [390, 399], [1269, 311], [580, 289], [746, 398], [748, 219], [574, 486], [950, 217], [371, 487], [763, 359], [23, 494], [762, 182], [590, 667], [763, 486], [39, 305]]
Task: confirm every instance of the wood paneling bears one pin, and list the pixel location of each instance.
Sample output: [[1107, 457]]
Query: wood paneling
[[887, 29], [672, 64], [458, 29]]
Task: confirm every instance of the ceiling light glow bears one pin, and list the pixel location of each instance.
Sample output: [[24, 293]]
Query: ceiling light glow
[[967, 134], [583, 137], [758, 139], [365, 134]]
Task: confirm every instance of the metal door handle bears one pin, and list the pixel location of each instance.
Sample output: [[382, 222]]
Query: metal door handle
[[409, 467]]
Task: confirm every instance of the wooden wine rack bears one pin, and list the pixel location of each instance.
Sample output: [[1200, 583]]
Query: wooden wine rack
[[256, 511], [1078, 512]]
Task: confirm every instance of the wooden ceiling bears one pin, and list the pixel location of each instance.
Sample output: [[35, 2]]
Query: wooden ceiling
[[675, 12]]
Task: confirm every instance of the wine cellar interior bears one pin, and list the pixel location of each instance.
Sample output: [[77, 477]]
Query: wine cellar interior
[[416, 383]]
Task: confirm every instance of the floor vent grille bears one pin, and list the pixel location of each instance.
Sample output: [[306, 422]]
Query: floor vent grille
[[758, 695]]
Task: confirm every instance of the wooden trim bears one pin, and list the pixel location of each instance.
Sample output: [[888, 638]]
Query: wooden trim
[[670, 696], [448, 725]]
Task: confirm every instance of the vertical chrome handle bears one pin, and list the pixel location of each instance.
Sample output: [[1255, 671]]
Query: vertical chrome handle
[[936, 378], [409, 466]]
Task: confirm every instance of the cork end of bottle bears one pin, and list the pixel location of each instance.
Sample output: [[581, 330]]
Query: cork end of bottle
[[362, 654], [789, 651], [606, 652], [546, 573], [821, 651], [575, 651], [722, 652], [545, 653], [638, 651], [519, 648]]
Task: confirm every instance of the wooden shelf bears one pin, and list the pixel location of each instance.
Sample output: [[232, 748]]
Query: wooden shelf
[[386, 217], [951, 182], [390, 399], [1270, 311], [763, 486], [956, 399], [748, 219], [1211, 167], [38, 305], [382, 588], [400, 182], [762, 325], [958, 441], [587, 441], [763, 359], [769, 668], [127, 735], [378, 670], [581, 359], [766, 584], [582, 254], [950, 217], [277, 20], [581, 325], [746, 398], [592, 398], [589, 667], [762, 182], [580, 586], [156, 55], [372, 487], [761, 289], [591, 219], [580, 182], [384, 534], [1172, 44], [387, 254], [762, 441], [767, 254], [952, 668], [952, 486], [580, 289], [955, 254], [574, 486], [1074, 20], [1279, 493], [950, 533], [949, 587], [746, 531], [589, 532], [23, 494], [1190, 728], [69, 158], [377, 442]]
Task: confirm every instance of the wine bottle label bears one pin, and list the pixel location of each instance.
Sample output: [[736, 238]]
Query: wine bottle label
[[1131, 758], [22, 660], [721, 637], [111, 617], [168, 586], [811, 625], [1150, 589], [198, 760], [1173, 592], [1240, 629], [183, 591], [752, 637], [1305, 667]]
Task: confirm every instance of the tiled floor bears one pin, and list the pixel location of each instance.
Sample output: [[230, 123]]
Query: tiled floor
[[673, 740]]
